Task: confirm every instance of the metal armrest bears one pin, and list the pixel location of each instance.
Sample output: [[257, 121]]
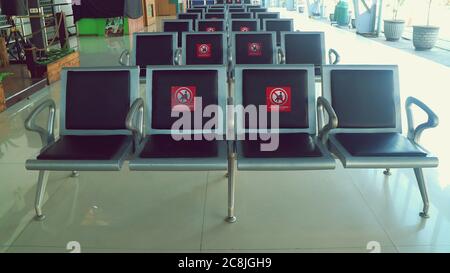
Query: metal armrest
[[135, 122], [126, 54], [47, 135], [414, 134], [231, 135], [230, 56], [230, 65], [177, 56], [231, 73], [281, 56], [337, 57], [332, 118]]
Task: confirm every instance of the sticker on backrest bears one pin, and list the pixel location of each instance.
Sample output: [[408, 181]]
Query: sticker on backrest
[[210, 29], [254, 49], [203, 50], [245, 29], [183, 96], [278, 96]]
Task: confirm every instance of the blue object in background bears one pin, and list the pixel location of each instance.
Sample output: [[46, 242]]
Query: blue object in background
[[198, 2], [290, 5], [341, 13]]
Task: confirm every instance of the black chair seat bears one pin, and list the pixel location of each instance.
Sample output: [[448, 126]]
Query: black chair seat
[[85, 148], [290, 145], [378, 144], [164, 146]]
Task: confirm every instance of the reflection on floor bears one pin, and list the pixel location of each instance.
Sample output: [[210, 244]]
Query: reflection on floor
[[20, 85], [315, 211]]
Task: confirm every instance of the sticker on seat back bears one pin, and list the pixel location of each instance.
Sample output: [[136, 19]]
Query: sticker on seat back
[[244, 29], [182, 98], [203, 50], [278, 98], [254, 49], [210, 29]]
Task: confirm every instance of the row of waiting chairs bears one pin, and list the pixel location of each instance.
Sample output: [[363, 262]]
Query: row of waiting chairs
[[355, 117], [160, 48], [102, 122], [235, 47], [218, 3]]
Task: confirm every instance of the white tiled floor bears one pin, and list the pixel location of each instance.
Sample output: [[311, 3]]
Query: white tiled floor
[[321, 211]]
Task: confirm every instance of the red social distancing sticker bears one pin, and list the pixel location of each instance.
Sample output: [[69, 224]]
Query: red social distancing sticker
[[210, 29], [278, 96], [245, 29], [254, 49], [183, 98], [203, 50]]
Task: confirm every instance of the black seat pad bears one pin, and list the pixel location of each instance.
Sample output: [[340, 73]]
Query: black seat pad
[[164, 146], [290, 145], [378, 144], [84, 148]]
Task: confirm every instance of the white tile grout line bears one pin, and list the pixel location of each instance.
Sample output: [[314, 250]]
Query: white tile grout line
[[204, 210]]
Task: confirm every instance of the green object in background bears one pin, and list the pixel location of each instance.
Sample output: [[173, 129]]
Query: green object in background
[[54, 55], [341, 13], [4, 75], [96, 26], [91, 26]]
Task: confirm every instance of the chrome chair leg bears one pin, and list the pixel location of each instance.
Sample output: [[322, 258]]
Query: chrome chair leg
[[75, 174], [40, 193], [387, 172], [423, 192], [231, 218]]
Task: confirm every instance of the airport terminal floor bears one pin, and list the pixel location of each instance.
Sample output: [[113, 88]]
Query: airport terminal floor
[[341, 210]]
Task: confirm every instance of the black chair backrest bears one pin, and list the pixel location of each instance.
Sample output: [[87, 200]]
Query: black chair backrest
[[97, 100], [233, 10], [363, 98], [278, 25], [254, 48], [214, 15], [204, 48], [241, 15], [178, 26], [219, 2], [245, 25], [255, 10], [210, 25], [154, 50], [266, 15], [171, 88], [304, 48], [195, 10], [287, 89], [247, 2], [189, 16]]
